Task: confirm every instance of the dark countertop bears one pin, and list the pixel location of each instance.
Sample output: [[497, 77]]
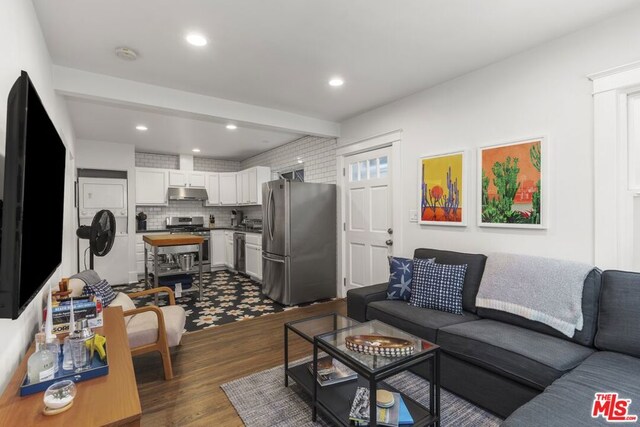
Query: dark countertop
[[166, 230]]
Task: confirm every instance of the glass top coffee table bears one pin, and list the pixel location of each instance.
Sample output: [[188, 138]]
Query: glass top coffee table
[[334, 401]]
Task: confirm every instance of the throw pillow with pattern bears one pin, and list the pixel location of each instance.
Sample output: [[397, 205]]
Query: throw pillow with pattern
[[400, 278], [101, 289], [438, 286]]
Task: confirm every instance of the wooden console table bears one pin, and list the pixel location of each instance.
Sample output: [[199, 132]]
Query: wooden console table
[[110, 400]]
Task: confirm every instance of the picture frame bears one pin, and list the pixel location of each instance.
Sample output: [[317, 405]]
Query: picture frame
[[442, 189], [522, 166]]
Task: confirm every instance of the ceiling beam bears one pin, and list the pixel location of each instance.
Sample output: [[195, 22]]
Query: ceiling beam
[[83, 84]]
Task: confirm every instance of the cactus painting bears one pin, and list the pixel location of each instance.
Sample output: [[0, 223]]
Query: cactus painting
[[510, 180], [441, 189]]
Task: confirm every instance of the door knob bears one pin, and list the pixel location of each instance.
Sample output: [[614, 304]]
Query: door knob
[[390, 231], [389, 242]]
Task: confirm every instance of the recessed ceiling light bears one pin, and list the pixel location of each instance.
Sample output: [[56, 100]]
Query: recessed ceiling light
[[126, 53], [336, 81], [196, 150], [142, 128], [196, 39], [231, 126]]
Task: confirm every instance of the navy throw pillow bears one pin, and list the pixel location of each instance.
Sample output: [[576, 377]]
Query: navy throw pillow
[[438, 286], [102, 289], [400, 278]]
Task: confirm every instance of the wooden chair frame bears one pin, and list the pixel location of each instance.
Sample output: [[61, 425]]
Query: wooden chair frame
[[161, 345]]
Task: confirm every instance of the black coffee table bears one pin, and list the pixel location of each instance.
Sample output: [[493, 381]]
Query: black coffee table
[[334, 401]]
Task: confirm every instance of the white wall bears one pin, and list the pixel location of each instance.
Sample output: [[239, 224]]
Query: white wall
[[540, 92], [118, 157], [23, 48]]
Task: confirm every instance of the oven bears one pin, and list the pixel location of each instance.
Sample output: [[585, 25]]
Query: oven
[[193, 225]]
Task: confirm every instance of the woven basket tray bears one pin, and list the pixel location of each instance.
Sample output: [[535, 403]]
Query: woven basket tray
[[379, 345]]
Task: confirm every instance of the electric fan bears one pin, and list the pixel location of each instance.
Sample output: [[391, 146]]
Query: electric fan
[[100, 234]]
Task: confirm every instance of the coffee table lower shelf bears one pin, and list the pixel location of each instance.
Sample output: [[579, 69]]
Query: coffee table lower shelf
[[334, 401]]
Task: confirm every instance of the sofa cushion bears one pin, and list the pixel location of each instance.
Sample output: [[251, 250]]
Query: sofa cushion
[[619, 317], [590, 297], [400, 278], [521, 354], [475, 268], [438, 286], [569, 400], [421, 322], [142, 328]]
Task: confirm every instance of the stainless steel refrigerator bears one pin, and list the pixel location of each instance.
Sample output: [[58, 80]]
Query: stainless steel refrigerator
[[298, 241]]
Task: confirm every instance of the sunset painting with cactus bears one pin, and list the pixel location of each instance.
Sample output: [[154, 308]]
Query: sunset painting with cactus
[[441, 197], [511, 184]]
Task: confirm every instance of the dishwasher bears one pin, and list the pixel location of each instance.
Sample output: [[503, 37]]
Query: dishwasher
[[239, 254]]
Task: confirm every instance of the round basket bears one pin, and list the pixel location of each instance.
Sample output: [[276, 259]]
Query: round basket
[[378, 345]]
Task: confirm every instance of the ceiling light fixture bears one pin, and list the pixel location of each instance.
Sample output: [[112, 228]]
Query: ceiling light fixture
[[336, 82], [126, 53], [196, 39], [231, 126], [196, 150], [142, 128]]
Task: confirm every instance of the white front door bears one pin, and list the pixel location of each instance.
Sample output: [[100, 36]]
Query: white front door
[[368, 234]]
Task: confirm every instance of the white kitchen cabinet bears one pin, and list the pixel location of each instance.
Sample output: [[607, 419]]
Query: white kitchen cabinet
[[252, 186], [218, 254], [151, 186], [197, 179], [180, 178], [253, 260], [228, 245], [139, 254], [213, 189], [228, 190]]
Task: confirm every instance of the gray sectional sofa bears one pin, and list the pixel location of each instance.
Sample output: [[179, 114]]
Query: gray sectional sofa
[[519, 369]]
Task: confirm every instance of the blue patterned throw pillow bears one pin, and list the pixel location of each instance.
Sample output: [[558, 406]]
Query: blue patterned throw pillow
[[400, 278], [101, 289], [438, 286]]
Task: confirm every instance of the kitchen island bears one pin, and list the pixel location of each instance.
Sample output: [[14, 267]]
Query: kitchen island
[[175, 244]]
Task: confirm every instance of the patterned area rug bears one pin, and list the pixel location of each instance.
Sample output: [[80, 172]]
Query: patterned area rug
[[227, 297], [261, 400]]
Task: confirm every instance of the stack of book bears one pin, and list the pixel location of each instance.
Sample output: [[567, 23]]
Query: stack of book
[[331, 371], [393, 416]]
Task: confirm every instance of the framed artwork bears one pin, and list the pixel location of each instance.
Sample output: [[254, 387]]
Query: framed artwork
[[512, 185], [442, 189]]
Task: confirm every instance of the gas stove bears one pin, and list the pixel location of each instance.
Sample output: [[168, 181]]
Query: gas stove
[[187, 224]]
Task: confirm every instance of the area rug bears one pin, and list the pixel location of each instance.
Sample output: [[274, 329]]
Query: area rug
[[227, 297], [261, 399]]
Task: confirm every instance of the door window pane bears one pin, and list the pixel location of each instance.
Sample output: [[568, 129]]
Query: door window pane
[[383, 166], [373, 168], [354, 172], [363, 170]]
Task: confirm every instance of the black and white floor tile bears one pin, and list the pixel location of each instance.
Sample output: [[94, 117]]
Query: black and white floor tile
[[227, 297]]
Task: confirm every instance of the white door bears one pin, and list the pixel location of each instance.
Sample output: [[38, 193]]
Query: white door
[[151, 186], [177, 178], [228, 188], [368, 236], [213, 188]]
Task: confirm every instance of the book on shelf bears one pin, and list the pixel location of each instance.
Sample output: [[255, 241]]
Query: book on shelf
[[331, 371], [394, 416]]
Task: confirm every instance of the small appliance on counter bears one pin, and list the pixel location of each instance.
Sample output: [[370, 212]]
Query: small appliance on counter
[[236, 217], [141, 219], [212, 221]]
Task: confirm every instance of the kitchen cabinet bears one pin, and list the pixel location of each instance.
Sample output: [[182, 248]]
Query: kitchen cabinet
[[151, 186], [228, 245], [180, 178], [250, 185], [213, 189], [228, 188], [218, 254], [139, 254], [253, 251]]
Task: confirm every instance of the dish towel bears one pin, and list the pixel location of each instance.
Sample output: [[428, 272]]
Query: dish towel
[[541, 289]]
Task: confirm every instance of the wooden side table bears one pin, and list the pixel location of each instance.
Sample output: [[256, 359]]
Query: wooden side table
[[110, 400]]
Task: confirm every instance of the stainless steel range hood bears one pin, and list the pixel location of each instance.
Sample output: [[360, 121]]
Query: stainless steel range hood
[[187, 193]]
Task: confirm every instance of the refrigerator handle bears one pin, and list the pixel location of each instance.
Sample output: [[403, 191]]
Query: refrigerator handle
[[269, 216], [281, 261]]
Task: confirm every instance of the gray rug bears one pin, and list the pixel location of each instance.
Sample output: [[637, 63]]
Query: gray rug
[[261, 399]]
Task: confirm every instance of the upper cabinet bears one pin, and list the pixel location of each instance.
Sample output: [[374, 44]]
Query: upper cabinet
[[151, 186], [180, 178], [224, 188]]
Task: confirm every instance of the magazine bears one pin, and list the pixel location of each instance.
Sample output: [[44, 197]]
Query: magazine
[[331, 371], [359, 414]]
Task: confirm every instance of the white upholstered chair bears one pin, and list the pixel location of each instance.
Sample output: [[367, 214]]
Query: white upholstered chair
[[149, 328]]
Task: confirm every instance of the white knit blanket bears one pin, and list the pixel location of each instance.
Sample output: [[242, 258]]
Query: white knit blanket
[[540, 289]]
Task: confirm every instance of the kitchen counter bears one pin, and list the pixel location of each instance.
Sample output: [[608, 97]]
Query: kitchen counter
[[165, 230]]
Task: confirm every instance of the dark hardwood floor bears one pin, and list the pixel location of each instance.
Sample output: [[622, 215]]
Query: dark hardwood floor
[[209, 358]]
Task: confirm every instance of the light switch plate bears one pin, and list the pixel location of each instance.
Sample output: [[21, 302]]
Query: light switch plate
[[413, 215]]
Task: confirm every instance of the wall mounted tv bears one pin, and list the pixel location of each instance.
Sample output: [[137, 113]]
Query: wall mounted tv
[[32, 201]]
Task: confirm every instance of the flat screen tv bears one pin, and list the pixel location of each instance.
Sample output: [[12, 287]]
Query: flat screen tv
[[32, 201]]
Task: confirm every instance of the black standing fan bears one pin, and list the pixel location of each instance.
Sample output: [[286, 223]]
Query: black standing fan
[[100, 234]]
